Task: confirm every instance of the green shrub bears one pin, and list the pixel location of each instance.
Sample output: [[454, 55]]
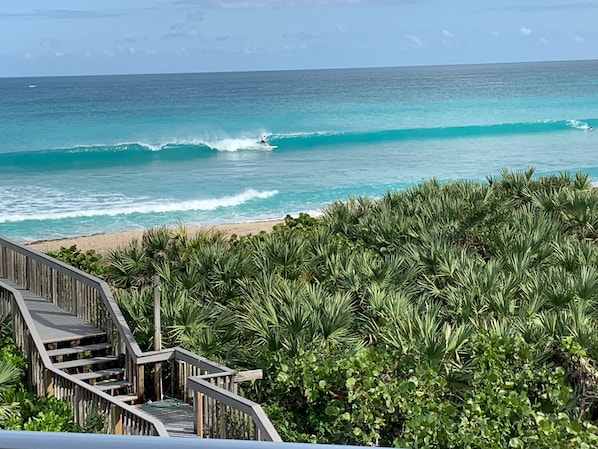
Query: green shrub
[[506, 397], [19, 408], [89, 261]]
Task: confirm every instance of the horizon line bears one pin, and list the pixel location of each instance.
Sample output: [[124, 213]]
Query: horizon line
[[300, 69]]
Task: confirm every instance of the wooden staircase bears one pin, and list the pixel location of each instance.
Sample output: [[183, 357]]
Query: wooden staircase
[[90, 358], [80, 349]]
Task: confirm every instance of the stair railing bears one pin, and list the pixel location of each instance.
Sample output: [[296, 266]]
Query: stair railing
[[75, 291], [45, 380]]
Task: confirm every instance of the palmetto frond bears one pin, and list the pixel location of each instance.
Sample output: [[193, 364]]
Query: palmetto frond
[[9, 376], [290, 316], [519, 185], [137, 307], [421, 331], [156, 243], [582, 324], [129, 267], [206, 328]]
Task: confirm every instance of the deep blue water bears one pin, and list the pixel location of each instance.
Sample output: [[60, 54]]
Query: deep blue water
[[82, 155]]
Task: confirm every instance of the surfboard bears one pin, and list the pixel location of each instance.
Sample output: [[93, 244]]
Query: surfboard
[[269, 147]]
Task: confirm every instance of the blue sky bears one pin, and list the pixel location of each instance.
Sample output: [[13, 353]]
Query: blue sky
[[74, 37]]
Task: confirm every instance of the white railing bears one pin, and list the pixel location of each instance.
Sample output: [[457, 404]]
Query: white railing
[[11, 439]]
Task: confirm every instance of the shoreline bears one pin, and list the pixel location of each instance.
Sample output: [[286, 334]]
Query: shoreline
[[104, 242]]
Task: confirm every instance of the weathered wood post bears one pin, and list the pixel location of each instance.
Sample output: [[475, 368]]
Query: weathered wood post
[[49, 383], [198, 412], [157, 336], [117, 423]]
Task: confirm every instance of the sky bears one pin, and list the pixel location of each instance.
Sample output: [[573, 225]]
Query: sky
[[75, 37]]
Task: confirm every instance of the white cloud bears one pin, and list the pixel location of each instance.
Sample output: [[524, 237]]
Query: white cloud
[[447, 37], [415, 40], [579, 39], [526, 31], [544, 40]]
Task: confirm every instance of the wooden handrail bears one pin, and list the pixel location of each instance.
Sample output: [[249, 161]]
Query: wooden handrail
[[183, 355], [201, 362], [239, 403]]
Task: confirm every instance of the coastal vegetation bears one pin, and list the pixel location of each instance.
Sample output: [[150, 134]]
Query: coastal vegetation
[[452, 315], [19, 408]]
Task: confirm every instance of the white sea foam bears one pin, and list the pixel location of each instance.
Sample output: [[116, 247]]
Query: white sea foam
[[235, 144], [578, 124], [127, 206], [307, 134], [218, 143]]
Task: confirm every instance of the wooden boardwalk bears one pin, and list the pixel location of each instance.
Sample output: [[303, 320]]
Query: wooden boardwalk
[[52, 323], [177, 418]]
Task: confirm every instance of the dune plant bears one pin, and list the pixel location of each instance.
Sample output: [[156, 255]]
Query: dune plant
[[448, 314]]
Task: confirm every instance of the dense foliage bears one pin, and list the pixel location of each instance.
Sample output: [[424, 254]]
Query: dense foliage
[[88, 261], [450, 315]]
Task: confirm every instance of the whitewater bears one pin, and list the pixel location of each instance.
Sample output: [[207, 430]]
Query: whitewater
[[87, 155]]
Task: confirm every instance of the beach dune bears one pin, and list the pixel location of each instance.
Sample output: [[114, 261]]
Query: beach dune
[[102, 243]]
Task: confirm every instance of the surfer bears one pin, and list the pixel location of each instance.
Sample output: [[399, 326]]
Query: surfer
[[265, 144]]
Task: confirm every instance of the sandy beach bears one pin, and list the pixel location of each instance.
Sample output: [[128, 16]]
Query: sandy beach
[[105, 242]]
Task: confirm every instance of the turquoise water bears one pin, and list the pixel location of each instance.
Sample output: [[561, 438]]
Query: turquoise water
[[82, 155]]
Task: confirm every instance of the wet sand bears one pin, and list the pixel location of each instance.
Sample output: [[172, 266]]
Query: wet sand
[[105, 242]]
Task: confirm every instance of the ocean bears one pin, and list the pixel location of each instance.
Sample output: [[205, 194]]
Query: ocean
[[93, 154]]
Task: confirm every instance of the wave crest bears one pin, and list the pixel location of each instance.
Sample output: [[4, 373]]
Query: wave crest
[[138, 153], [145, 208]]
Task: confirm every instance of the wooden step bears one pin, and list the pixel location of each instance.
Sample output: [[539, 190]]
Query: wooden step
[[109, 372], [83, 334], [126, 397], [111, 384], [85, 362], [78, 349]]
